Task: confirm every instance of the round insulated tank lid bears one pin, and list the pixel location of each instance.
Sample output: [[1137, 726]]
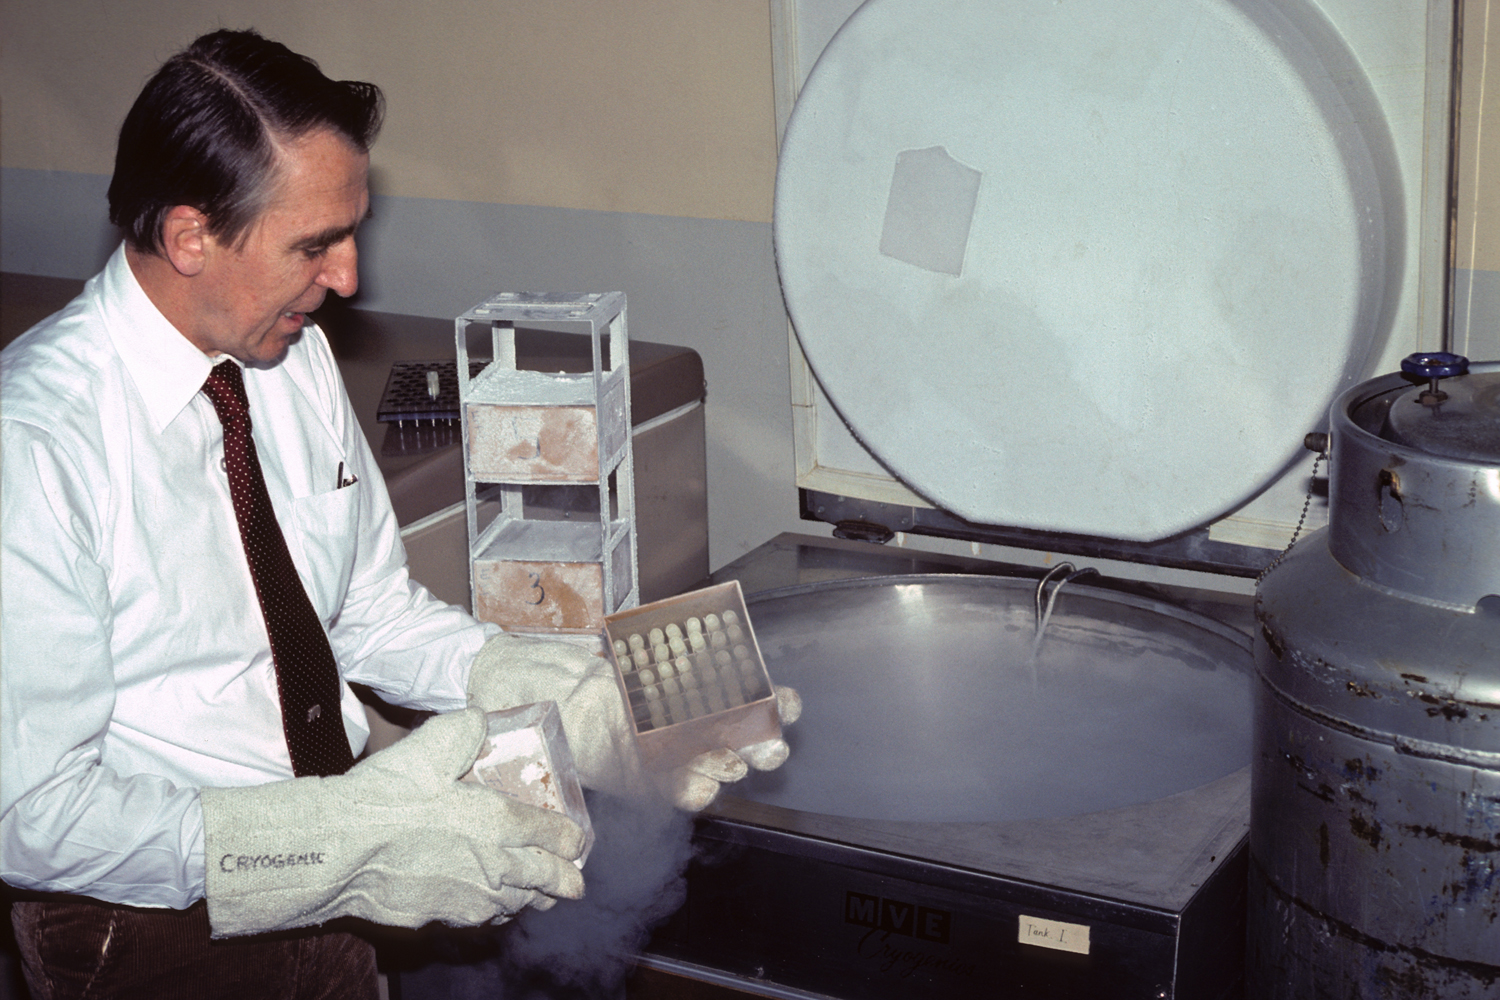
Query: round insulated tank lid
[[1463, 425], [1092, 267]]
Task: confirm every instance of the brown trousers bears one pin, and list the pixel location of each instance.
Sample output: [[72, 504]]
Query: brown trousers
[[81, 949]]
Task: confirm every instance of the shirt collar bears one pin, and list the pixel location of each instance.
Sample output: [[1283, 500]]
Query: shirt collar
[[166, 368]]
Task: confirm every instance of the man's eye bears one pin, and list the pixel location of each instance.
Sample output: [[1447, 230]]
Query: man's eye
[[313, 253]]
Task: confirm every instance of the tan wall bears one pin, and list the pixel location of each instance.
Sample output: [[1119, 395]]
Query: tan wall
[[655, 106], [1477, 235]]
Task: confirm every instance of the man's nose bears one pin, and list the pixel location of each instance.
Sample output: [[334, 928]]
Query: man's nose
[[341, 268]]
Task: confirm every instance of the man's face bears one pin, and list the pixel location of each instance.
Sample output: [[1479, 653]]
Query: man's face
[[252, 301]]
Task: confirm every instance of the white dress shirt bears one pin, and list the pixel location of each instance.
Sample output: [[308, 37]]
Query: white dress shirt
[[136, 667]]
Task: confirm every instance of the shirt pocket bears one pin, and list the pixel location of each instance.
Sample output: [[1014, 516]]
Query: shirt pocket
[[327, 532]]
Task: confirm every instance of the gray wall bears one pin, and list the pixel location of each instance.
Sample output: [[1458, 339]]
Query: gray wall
[[708, 284]]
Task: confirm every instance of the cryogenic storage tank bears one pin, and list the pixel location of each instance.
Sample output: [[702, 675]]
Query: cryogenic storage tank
[[1071, 278], [1375, 817]]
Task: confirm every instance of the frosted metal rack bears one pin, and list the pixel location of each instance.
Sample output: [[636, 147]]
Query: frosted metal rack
[[533, 442]]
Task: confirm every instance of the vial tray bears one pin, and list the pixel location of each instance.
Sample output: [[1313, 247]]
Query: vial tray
[[691, 675], [408, 395]]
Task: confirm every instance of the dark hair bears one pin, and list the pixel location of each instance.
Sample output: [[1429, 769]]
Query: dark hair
[[203, 132]]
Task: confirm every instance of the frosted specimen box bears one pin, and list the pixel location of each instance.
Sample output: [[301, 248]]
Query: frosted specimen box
[[691, 675], [526, 757]]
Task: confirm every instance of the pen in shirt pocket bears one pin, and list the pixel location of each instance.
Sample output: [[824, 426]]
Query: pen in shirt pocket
[[341, 481]]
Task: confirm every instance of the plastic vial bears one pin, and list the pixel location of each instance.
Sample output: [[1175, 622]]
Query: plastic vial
[[637, 642], [674, 631]]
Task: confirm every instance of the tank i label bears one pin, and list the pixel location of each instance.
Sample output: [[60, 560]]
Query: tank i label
[[1054, 934]]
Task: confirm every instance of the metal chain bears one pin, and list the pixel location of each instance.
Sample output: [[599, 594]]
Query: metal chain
[[1306, 505]]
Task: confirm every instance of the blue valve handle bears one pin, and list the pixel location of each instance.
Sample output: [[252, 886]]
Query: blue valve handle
[[1435, 364]]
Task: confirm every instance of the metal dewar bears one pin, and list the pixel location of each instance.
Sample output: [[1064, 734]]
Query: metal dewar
[[1375, 816]]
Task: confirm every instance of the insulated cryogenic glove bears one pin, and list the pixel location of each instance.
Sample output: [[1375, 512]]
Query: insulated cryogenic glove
[[398, 840], [696, 784], [515, 670]]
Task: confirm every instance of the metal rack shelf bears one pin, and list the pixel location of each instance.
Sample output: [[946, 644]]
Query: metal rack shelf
[[545, 569]]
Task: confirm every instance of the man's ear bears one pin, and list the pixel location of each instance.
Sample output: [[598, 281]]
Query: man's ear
[[185, 239]]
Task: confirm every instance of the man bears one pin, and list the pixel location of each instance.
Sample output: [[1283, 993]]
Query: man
[[199, 557]]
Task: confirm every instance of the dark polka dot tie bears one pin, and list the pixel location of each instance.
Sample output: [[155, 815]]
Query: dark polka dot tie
[[306, 675]]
